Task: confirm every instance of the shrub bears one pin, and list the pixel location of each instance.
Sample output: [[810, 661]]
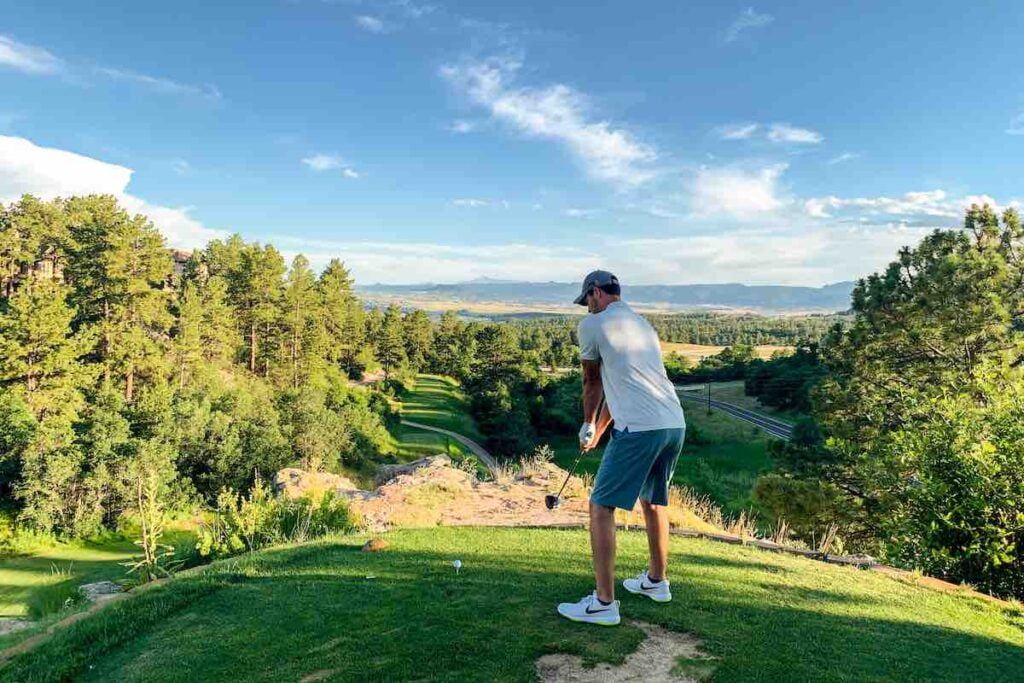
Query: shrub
[[248, 523]]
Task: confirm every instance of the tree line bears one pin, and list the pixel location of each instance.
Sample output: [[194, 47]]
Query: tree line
[[115, 369]]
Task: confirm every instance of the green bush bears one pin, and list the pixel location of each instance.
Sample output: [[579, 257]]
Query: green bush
[[247, 523]]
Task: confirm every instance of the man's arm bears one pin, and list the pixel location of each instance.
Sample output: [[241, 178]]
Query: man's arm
[[593, 395]]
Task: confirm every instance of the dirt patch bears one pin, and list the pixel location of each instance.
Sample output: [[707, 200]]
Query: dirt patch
[[662, 656], [321, 675]]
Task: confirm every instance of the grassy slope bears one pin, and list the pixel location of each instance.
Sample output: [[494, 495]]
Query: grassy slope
[[37, 581], [435, 401], [36, 584], [292, 612]]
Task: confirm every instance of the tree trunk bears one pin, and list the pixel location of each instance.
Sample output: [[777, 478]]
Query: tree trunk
[[252, 348]]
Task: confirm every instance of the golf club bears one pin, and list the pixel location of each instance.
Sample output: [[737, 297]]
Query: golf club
[[552, 502]]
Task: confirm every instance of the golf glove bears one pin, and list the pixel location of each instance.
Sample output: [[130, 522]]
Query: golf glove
[[587, 432]]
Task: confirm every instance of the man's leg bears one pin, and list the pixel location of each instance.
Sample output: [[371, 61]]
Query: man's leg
[[602, 547], [656, 519]]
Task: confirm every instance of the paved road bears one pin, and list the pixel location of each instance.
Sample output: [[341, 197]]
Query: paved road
[[776, 428], [478, 450]]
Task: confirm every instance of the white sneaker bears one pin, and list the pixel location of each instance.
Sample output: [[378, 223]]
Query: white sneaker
[[589, 610], [641, 585]]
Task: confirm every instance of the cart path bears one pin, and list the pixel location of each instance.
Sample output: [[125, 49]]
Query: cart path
[[479, 451]]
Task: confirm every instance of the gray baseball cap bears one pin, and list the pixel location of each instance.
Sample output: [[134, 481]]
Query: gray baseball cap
[[598, 278]]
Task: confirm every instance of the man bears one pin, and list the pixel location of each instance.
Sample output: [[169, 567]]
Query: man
[[622, 363]]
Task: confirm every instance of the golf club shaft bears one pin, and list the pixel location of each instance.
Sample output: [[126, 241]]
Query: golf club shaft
[[600, 408]]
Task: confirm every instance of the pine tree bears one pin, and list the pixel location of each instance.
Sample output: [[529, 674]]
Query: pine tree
[[255, 289], [188, 335], [342, 316], [218, 330], [418, 336], [40, 363], [301, 321], [119, 268], [391, 344]]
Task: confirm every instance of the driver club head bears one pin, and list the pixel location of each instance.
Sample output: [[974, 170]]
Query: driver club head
[[552, 502]]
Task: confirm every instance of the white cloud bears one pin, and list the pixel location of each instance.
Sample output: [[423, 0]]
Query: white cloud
[[809, 256], [329, 162], [734, 191], [161, 85], [463, 126], [26, 168], [747, 19], [934, 208], [783, 132], [33, 60], [371, 24], [1016, 125], [775, 132], [845, 156], [933, 203], [473, 203], [737, 131], [181, 167], [556, 112], [581, 213], [323, 162], [414, 262]]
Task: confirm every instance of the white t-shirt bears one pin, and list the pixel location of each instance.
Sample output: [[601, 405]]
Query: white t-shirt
[[639, 394]]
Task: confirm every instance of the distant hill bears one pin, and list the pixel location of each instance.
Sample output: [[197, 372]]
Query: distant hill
[[761, 298]]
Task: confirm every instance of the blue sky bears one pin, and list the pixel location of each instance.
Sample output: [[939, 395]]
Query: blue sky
[[673, 142]]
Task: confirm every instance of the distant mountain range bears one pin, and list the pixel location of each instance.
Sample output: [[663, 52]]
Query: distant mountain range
[[759, 298]]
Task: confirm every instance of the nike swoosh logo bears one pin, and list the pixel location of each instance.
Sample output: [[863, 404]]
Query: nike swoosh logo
[[647, 588], [596, 611]]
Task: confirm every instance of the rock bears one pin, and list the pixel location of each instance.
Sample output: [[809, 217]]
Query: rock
[[99, 591], [12, 624], [388, 472], [375, 545], [296, 483]]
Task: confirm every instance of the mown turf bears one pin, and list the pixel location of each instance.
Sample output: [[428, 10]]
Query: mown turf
[[437, 401], [404, 614]]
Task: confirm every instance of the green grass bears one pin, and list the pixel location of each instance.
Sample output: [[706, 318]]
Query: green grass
[[40, 581], [34, 585], [412, 443], [437, 401], [292, 612]]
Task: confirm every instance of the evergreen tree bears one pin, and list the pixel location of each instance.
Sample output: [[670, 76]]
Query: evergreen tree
[[188, 335], [342, 316], [255, 289], [418, 337], [40, 363], [301, 323], [118, 270], [390, 342]]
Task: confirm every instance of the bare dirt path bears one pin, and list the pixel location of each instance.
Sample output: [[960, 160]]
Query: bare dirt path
[[479, 451]]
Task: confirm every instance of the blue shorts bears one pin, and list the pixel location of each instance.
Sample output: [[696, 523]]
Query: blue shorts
[[637, 465]]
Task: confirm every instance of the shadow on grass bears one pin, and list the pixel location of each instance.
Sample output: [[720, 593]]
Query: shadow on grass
[[417, 619]]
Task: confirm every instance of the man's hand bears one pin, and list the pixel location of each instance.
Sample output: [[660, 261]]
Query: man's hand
[[588, 434]]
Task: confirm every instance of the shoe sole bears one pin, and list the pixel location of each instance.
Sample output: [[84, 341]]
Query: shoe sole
[[591, 621], [648, 595]]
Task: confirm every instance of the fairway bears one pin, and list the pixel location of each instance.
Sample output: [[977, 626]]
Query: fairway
[[325, 611], [436, 401]]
